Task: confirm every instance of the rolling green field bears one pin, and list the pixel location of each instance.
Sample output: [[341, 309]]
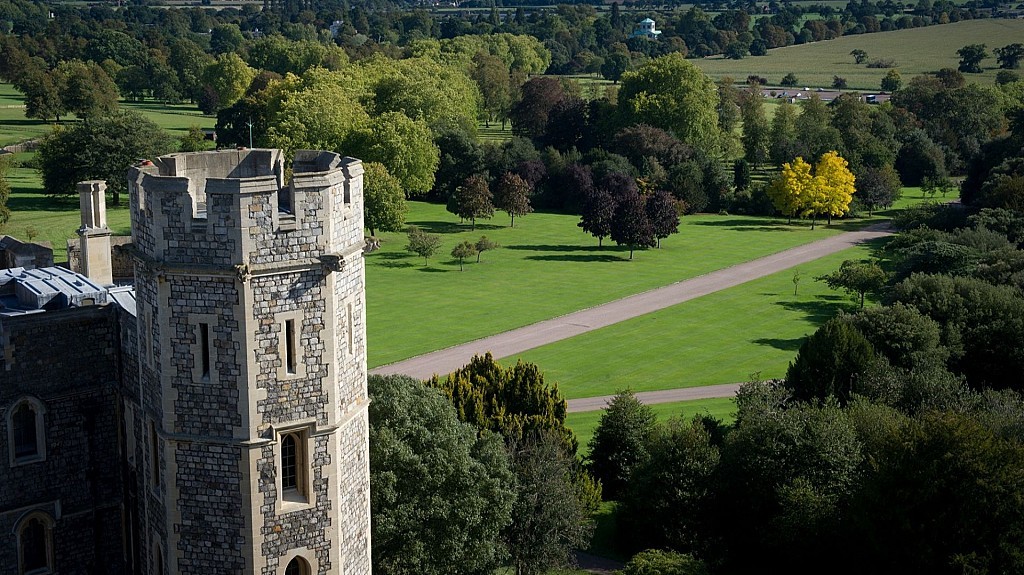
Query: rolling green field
[[752, 330], [546, 267], [583, 424], [916, 51], [15, 127]]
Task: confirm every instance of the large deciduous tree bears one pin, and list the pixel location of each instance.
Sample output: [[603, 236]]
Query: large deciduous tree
[[384, 205], [512, 194], [313, 112], [1009, 56], [971, 56], [403, 145], [228, 77], [101, 148], [472, 200], [598, 211], [440, 493], [879, 187], [857, 278], [620, 442], [538, 97], [833, 187], [672, 93], [663, 213], [789, 190], [630, 224]]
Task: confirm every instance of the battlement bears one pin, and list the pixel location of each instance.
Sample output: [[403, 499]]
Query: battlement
[[233, 208]]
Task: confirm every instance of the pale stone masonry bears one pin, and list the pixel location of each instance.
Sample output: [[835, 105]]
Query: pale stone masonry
[[240, 386]]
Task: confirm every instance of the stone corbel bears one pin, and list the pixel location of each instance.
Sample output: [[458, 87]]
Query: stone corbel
[[333, 262], [242, 272]]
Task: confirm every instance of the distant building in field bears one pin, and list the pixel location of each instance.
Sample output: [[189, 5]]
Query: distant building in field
[[646, 29]]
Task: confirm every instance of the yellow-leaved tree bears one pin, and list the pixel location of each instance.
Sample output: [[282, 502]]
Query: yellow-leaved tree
[[828, 192], [833, 187], [788, 192]]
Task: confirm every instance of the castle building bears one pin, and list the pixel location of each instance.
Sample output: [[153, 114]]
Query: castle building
[[212, 417]]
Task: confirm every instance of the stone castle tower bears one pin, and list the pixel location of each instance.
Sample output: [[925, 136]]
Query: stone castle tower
[[250, 409]]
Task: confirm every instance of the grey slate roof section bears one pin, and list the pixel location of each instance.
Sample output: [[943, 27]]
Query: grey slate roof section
[[24, 290], [124, 297]]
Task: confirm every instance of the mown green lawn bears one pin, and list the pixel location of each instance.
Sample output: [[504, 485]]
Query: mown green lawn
[[546, 267], [584, 423], [749, 331], [916, 51]]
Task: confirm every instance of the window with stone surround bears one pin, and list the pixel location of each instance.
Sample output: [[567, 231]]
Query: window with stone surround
[[297, 566], [35, 544], [204, 350], [204, 356], [293, 467], [26, 432], [154, 456]]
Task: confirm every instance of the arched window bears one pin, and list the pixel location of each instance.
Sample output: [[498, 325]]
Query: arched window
[[25, 431], [35, 547], [297, 566], [293, 467]]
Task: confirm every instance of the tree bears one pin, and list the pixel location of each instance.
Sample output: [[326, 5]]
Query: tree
[[548, 518], [879, 187], [482, 245], [838, 83], [789, 80], [672, 93], [598, 210], [225, 38], [630, 224], [99, 148], [314, 112], [756, 130], [512, 196], [42, 94], [783, 134], [663, 213], [657, 562], [971, 56], [228, 77], [462, 251], [892, 80], [405, 146], [830, 363], [614, 66], [856, 278], [620, 442], [859, 56], [1009, 56], [5, 190], [789, 190], [472, 200], [440, 493], [422, 244], [670, 492], [832, 188], [384, 206], [529, 115], [86, 89], [492, 77]]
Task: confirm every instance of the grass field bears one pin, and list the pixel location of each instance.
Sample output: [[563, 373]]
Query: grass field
[[583, 424], [916, 51], [724, 337], [547, 267], [15, 127]]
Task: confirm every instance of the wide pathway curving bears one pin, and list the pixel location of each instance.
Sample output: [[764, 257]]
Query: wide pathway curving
[[541, 333]]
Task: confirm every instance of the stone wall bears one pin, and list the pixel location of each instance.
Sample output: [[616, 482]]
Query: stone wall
[[69, 361]]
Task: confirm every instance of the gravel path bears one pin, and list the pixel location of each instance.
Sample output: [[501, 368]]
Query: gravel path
[[528, 337]]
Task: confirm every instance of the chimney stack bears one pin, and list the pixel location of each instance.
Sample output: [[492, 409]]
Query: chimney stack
[[94, 235]]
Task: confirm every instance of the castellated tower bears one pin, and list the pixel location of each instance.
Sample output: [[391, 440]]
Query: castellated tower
[[252, 364]]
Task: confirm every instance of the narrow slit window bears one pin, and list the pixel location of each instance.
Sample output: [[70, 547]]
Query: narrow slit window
[[350, 330], [204, 349], [26, 443], [289, 347], [154, 447]]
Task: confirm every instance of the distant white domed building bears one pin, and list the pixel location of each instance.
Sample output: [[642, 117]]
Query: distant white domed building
[[646, 29]]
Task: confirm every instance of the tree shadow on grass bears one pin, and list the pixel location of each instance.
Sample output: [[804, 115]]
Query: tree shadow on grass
[[779, 343], [433, 270], [820, 309], [391, 260], [36, 201], [759, 225], [562, 248], [579, 258], [453, 227]]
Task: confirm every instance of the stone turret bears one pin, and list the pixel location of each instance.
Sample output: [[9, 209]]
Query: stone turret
[[252, 362], [94, 235]]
